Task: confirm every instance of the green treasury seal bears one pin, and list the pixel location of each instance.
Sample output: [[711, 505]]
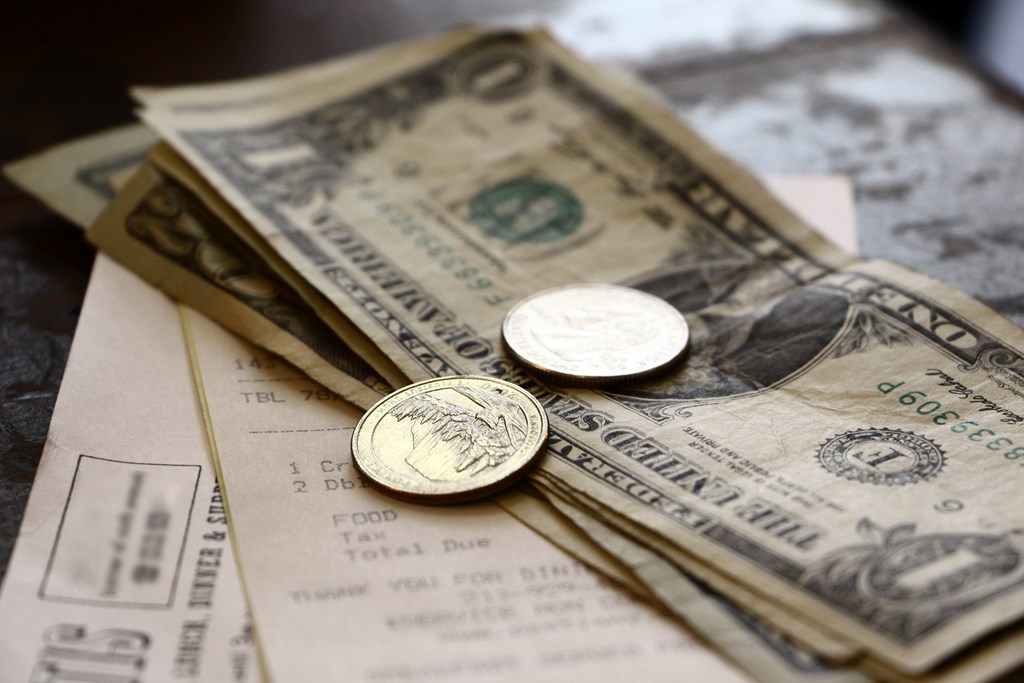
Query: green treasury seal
[[526, 211]]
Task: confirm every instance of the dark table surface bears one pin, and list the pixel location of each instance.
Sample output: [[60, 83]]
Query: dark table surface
[[932, 146]]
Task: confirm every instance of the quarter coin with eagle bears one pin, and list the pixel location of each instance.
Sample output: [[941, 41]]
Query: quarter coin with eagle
[[595, 334]]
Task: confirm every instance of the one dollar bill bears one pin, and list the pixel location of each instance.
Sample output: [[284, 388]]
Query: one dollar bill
[[837, 450]]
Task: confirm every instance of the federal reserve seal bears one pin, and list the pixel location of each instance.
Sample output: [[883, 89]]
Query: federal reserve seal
[[881, 456], [526, 211]]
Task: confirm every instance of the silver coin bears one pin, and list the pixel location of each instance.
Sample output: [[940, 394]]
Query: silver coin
[[595, 334]]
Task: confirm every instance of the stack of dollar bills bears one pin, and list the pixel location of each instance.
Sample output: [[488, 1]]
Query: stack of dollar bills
[[827, 487]]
